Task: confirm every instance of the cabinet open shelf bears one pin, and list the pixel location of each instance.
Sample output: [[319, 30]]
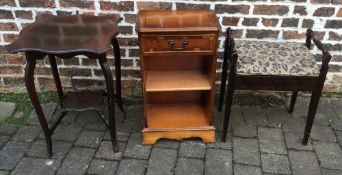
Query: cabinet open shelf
[[176, 116], [177, 80]]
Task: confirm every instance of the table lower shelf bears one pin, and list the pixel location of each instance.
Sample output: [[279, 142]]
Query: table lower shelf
[[177, 121], [83, 101]]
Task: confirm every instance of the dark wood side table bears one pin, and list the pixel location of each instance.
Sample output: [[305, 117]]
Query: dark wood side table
[[66, 37]]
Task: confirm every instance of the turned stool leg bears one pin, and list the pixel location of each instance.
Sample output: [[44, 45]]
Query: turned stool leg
[[230, 93], [316, 93], [293, 101], [223, 83], [29, 81], [229, 101], [224, 68], [111, 105], [315, 96]]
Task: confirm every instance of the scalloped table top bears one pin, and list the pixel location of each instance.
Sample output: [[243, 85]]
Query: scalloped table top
[[66, 34]]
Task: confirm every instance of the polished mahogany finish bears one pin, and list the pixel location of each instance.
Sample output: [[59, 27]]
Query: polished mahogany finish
[[272, 82], [178, 65], [66, 37], [67, 34]]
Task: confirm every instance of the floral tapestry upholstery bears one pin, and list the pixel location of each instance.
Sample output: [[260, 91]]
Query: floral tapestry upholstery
[[268, 58]]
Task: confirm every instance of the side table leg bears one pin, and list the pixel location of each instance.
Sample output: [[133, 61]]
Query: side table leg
[[111, 105], [29, 81], [55, 74], [117, 60]]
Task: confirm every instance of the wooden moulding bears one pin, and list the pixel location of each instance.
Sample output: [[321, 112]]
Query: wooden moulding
[[151, 137]]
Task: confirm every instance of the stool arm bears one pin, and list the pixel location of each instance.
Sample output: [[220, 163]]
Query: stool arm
[[227, 46], [230, 50], [119, 20], [233, 56], [311, 36]]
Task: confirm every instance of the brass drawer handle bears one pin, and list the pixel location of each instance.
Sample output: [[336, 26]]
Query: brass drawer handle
[[172, 44]]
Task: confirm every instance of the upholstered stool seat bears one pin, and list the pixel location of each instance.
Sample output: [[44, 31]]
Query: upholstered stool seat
[[268, 58]]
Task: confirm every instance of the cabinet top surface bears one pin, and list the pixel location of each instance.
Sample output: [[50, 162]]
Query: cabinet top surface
[[66, 34], [176, 20]]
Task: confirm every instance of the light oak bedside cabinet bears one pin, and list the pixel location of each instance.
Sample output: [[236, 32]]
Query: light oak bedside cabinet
[[178, 67]]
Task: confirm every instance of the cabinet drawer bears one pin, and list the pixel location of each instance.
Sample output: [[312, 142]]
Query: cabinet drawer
[[178, 43]]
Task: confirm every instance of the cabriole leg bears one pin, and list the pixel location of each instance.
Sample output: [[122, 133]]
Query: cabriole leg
[[117, 59], [55, 74], [29, 81], [110, 94]]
